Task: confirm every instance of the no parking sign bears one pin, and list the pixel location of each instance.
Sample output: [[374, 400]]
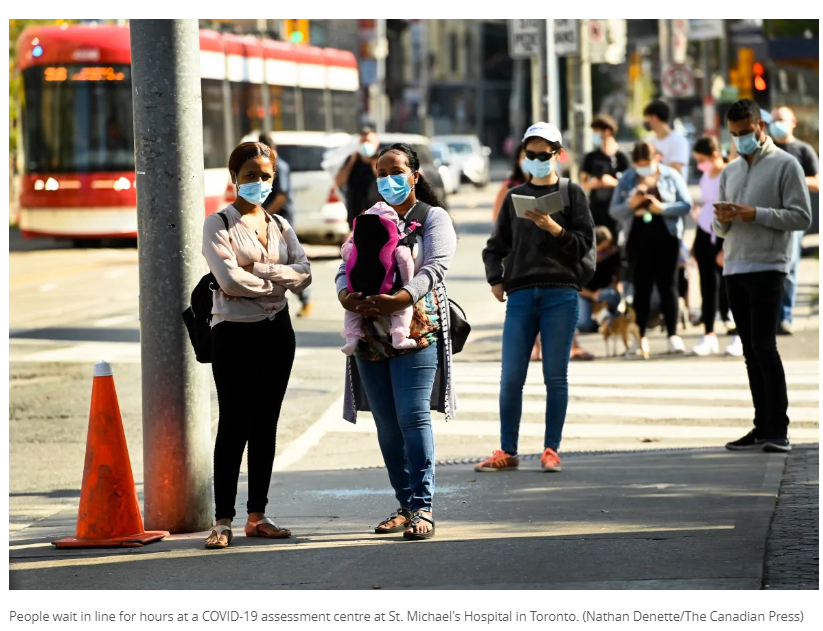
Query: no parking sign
[[678, 81]]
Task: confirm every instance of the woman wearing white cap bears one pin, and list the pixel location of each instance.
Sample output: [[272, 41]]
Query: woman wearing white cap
[[542, 276]]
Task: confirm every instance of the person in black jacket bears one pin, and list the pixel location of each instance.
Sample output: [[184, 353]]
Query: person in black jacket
[[542, 276]]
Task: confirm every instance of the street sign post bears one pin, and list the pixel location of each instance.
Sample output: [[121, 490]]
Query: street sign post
[[678, 81], [680, 41], [524, 38], [701, 30], [566, 38]]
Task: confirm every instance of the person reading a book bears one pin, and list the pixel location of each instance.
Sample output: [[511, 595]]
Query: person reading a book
[[541, 277]]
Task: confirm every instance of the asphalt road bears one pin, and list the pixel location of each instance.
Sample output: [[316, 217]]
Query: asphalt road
[[70, 308]]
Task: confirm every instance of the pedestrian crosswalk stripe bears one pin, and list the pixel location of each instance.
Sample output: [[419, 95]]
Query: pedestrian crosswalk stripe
[[572, 430], [719, 396], [657, 412], [634, 380]]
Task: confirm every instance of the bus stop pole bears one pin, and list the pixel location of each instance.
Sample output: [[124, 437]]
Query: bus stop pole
[[168, 147]]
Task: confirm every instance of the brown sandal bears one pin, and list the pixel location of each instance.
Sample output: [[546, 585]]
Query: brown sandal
[[401, 512], [253, 530]]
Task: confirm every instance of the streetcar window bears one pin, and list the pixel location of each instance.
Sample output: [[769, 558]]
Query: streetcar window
[[283, 104], [246, 108], [344, 110], [80, 125], [214, 126], [314, 109]]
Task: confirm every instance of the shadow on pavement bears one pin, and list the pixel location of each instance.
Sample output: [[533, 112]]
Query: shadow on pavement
[[680, 519]]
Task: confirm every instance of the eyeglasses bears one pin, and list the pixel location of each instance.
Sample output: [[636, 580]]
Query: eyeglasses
[[542, 156]]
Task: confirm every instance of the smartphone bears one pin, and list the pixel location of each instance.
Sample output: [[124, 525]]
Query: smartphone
[[721, 205]]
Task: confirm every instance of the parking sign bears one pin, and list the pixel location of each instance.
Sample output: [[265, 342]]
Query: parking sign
[[524, 38]]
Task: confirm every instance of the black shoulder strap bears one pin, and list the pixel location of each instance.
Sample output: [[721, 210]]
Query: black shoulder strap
[[564, 192], [224, 218], [278, 222], [418, 213]]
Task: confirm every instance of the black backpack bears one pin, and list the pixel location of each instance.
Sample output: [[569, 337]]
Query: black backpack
[[197, 317], [588, 263]]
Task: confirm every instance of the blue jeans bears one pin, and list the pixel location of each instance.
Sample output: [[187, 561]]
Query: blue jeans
[[553, 312], [790, 284], [399, 393]]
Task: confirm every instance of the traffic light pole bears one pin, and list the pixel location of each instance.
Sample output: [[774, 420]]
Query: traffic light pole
[[168, 138]]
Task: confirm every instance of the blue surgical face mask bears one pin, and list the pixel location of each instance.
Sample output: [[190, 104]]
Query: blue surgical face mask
[[395, 189], [779, 129], [254, 192], [646, 171], [367, 149], [747, 144], [538, 169], [597, 140]]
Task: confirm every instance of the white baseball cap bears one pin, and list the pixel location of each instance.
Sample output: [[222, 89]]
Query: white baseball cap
[[546, 131]]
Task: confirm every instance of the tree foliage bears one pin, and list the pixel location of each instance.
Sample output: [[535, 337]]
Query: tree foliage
[[791, 28]]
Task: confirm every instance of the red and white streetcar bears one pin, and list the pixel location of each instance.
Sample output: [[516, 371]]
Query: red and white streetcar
[[77, 130]]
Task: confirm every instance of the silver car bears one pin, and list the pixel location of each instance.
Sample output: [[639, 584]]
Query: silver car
[[450, 173], [468, 155]]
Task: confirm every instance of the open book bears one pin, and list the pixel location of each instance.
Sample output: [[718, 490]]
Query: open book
[[548, 204]]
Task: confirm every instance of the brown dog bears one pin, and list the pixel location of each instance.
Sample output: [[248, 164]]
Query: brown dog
[[617, 325]]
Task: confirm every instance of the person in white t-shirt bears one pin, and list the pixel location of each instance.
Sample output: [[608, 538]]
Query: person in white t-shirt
[[672, 147]]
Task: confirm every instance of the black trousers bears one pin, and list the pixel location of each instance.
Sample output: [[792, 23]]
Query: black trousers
[[755, 301], [655, 263], [712, 289], [251, 364]]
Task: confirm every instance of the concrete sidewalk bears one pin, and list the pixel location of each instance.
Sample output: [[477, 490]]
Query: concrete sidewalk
[[690, 519]]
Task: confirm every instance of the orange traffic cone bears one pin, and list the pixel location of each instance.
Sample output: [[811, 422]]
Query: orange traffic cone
[[109, 514]]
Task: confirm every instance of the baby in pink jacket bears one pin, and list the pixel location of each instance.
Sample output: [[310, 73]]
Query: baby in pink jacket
[[374, 254]]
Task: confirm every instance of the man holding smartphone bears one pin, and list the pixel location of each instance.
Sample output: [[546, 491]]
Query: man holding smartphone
[[765, 199]]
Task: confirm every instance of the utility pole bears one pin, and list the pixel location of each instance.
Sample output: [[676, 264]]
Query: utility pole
[[168, 139], [552, 76], [537, 89], [380, 54], [586, 85], [664, 45], [425, 80]]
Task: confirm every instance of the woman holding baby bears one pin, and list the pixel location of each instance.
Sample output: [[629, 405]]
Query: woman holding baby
[[399, 368]]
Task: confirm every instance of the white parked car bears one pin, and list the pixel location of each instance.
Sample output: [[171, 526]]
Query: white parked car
[[319, 212], [470, 156], [449, 172]]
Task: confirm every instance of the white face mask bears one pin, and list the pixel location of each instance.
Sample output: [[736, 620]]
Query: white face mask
[[646, 171]]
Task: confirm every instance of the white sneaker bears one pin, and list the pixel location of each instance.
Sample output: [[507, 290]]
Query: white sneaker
[[735, 349], [708, 345], [676, 344]]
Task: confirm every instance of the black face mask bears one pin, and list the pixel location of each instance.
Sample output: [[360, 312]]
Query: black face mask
[[647, 125]]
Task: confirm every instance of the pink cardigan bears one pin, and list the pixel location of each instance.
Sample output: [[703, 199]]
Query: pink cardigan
[[252, 296]]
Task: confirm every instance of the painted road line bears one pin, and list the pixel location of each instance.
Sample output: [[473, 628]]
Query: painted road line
[[312, 436], [658, 394], [113, 352], [573, 430], [658, 412], [645, 381]]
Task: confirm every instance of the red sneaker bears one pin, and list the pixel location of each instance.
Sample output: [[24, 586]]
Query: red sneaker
[[498, 461], [550, 461]]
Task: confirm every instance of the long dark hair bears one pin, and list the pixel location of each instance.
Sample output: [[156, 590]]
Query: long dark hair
[[516, 174], [422, 190]]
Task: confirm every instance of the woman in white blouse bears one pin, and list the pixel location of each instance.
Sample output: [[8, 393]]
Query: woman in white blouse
[[255, 258]]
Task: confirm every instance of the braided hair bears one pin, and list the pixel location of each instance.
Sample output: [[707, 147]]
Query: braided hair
[[422, 190]]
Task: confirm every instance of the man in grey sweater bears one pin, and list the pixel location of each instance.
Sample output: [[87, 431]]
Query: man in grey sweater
[[765, 199]]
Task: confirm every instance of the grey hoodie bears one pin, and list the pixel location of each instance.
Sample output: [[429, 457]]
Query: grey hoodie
[[774, 184]]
